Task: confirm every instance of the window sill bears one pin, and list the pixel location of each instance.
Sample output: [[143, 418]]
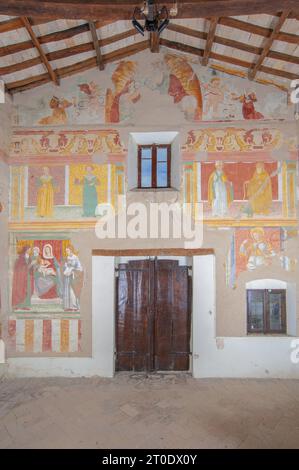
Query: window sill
[[153, 190], [269, 335]]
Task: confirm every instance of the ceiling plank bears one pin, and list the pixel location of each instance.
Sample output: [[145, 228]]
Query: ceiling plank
[[19, 66], [122, 9], [51, 37], [210, 40], [268, 44], [36, 43], [16, 23], [96, 45], [222, 58], [10, 25], [68, 52], [232, 43], [258, 30], [32, 82]]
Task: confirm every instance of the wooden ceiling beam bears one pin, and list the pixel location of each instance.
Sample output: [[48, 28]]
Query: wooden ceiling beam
[[210, 40], [232, 43], [222, 58], [86, 47], [258, 30], [51, 37], [32, 82], [95, 40], [122, 9], [68, 52], [36, 43], [16, 23], [154, 42], [268, 44]]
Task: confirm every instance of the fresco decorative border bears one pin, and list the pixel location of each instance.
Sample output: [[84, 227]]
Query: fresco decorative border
[[61, 226]]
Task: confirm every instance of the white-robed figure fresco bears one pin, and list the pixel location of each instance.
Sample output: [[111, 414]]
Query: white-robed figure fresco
[[220, 191], [73, 281]]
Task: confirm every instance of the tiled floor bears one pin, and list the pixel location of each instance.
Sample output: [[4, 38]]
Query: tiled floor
[[133, 411]]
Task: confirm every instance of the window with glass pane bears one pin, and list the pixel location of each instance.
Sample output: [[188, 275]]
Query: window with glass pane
[[255, 300], [154, 166], [266, 311], [276, 306]]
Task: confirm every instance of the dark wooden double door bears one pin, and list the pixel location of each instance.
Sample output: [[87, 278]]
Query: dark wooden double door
[[153, 316]]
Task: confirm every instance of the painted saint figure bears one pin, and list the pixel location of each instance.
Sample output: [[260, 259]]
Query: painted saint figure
[[258, 190], [220, 191], [90, 195], [45, 194], [22, 284], [258, 250], [73, 281]]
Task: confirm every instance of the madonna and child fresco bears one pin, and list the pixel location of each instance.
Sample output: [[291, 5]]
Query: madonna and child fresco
[[47, 276], [201, 94]]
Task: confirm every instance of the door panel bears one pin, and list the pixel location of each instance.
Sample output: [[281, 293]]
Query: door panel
[[153, 318], [172, 320], [132, 325]]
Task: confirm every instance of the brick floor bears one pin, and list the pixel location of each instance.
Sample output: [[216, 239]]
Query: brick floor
[[158, 411]]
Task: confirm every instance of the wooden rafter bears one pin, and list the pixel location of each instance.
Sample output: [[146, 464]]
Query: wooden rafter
[[16, 23], [122, 9], [36, 43], [222, 58], [232, 43], [86, 47], [59, 36], [258, 30], [68, 52], [95, 40], [210, 40], [268, 44], [205, 54], [32, 82]]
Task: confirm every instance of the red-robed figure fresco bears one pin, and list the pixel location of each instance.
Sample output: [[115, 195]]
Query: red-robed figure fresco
[[23, 283]]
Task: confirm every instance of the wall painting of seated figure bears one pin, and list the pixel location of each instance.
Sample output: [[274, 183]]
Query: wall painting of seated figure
[[47, 277]]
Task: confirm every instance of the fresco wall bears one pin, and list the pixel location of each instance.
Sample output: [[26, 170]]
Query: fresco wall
[[5, 137], [69, 153], [117, 95]]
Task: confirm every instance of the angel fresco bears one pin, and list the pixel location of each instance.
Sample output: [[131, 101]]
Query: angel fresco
[[59, 115], [92, 102], [184, 87], [214, 96], [123, 79]]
